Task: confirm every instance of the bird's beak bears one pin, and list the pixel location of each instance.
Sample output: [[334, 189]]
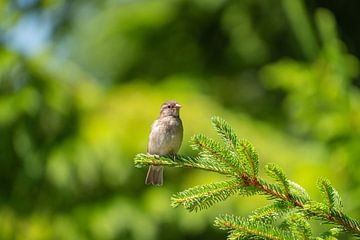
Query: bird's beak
[[177, 106]]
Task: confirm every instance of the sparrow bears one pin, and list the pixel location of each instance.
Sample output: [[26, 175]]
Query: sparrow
[[165, 138]]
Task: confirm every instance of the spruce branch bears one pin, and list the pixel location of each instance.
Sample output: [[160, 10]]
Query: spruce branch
[[242, 151], [323, 213], [270, 213], [225, 132], [273, 191], [204, 196], [212, 150], [249, 156], [143, 160], [239, 225], [297, 190], [279, 176], [238, 161], [331, 234], [298, 225], [330, 194]]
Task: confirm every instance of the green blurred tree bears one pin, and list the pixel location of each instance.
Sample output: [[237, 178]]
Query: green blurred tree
[[72, 115]]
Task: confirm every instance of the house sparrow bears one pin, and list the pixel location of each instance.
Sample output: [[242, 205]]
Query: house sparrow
[[165, 138]]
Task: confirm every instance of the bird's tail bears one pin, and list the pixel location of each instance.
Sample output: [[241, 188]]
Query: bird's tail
[[155, 176]]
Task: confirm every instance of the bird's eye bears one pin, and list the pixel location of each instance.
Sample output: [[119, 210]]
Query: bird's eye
[[168, 106]]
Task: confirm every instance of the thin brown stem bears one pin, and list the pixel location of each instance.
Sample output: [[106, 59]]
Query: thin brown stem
[[338, 218]]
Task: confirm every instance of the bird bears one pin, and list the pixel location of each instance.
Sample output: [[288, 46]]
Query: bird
[[165, 138]]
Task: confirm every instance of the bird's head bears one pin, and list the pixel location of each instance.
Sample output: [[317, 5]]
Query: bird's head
[[170, 108]]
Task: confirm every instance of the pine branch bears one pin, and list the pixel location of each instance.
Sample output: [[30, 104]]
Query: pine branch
[[238, 226], [242, 151], [238, 160], [331, 234], [322, 212], [143, 160], [297, 190], [273, 191], [225, 132], [204, 196], [330, 194], [249, 156], [317, 210], [211, 150], [345, 221], [298, 225], [279, 176], [271, 213]]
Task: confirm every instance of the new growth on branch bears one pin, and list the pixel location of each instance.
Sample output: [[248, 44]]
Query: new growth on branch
[[290, 209]]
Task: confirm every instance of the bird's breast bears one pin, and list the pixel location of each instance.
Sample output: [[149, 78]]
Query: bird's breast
[[165, 136]]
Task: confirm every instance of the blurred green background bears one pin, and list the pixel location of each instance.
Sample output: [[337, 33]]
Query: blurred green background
[[82, 81]]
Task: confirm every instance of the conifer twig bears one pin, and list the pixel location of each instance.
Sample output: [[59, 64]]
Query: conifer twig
[[143, 160], [238, 160]]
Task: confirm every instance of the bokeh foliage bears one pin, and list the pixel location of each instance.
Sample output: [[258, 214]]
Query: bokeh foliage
[[74, 114]]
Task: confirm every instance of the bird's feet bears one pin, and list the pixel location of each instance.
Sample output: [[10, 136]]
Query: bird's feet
[[156, 156], [173, 156]]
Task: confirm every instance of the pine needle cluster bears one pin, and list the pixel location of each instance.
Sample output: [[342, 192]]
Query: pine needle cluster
[[291, 208]]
